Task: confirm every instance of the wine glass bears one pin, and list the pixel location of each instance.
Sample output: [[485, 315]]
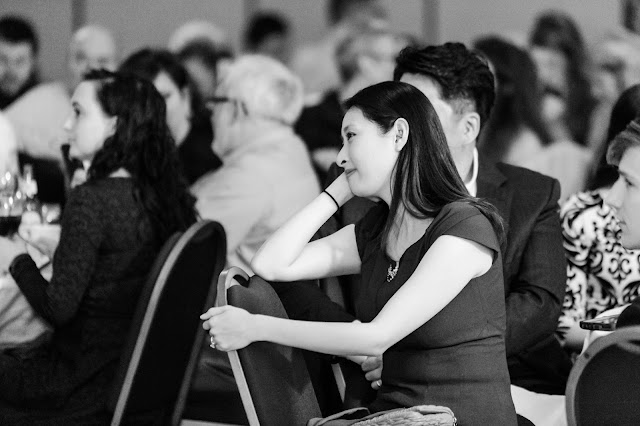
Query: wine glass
[[10, 204]]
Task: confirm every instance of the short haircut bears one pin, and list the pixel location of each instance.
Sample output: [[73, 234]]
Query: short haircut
[[264, 24], [628, 138], [265, 86], [16, 29], [464, 76]]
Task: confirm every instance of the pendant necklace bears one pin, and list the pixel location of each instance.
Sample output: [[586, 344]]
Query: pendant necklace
[[392, 271]]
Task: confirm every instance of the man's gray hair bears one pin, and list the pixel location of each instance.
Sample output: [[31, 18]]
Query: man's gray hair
[[267, 88]]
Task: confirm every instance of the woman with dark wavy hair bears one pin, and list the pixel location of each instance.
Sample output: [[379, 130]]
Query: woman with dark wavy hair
[[431, 299], [113, 227], [187, 117]]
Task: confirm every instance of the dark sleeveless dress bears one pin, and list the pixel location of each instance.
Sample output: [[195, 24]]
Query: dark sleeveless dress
[[456, 359]]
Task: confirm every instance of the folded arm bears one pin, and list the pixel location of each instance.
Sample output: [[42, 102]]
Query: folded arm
[[438, 278]]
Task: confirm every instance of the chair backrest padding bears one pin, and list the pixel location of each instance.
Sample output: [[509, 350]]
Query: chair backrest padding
[[276, 375], [604, 385], [166, 334]]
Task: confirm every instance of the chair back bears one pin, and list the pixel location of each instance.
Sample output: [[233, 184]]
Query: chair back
[[604, 384], [273, 379], [161, 352]]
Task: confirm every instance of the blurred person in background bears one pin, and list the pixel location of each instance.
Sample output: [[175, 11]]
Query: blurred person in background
[[204, 50], [516, 129], [316, 63], [616, 60], [36, 111], [601, 273], [205, 64], [266, 174], [269, 34], [112, 230], [364, 58], [188, 120], [91, 47], [18, 58], [518, 132], [570, 79]]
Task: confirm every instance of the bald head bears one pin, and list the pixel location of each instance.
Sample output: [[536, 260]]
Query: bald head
[[91, 47]]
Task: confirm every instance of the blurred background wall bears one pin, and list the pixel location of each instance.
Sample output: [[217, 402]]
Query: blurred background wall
[[150, 22]]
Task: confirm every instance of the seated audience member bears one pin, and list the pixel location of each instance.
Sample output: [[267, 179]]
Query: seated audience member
[[188, 120], [112, 229], [364, 58], [616, 59], [460, 86], [266, 175], [556, 36], [601, 273], [316, 63], [439, 323], [91, 47], [520, 129], [35, 111], [206, 65], [204, 51], [624, 199], [268, 34], [18, 57]]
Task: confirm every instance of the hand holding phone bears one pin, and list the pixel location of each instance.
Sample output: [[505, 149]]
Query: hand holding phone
[[606, 323]]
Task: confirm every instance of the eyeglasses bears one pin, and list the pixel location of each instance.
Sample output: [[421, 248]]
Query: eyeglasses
[[219, 99], [226, 99]]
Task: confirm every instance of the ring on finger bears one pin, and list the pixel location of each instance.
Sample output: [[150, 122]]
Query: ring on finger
[[379, 382], [212, 344]]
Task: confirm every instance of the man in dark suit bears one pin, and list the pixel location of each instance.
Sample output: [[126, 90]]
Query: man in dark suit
[[461, 88]]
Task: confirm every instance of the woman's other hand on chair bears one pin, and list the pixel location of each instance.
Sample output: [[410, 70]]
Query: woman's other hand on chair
[[230, 328], [372, 367]]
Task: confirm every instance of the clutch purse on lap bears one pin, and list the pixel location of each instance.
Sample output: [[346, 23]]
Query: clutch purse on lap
[[423, 415]]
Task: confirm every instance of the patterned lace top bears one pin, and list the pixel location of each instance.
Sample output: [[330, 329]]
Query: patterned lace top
[[601, 274]]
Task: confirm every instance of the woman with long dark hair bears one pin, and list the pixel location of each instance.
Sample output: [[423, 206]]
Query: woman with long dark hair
[[188, 119], [112, 229], [431, 300]]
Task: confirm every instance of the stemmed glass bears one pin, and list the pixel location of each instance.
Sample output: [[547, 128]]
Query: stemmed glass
[[11, 200]]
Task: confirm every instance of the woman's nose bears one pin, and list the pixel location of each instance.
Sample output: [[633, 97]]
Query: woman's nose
[[341, 158], [614, 196]]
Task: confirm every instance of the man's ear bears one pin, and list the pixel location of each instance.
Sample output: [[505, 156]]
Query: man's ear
[[471, 126], [401, 130]]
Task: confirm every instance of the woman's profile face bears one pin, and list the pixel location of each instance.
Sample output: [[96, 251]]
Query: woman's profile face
[[88, 125], [368, 155], [178, 103]]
